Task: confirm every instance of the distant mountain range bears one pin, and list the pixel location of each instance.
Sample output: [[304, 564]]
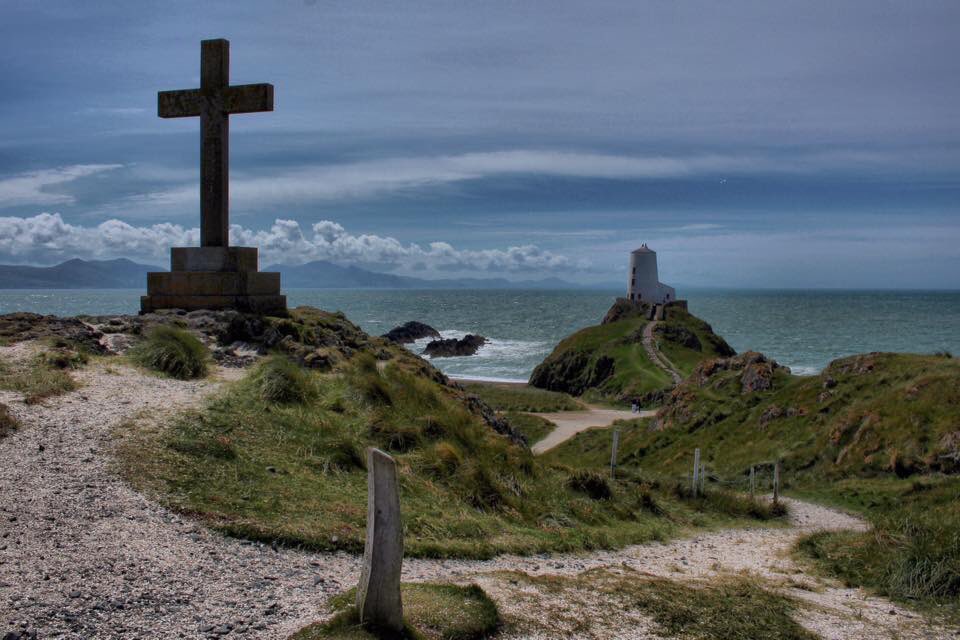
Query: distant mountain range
[[78, 274], [320, 274]]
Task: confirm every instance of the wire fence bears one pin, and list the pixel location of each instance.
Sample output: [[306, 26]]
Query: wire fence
[[763, 476]]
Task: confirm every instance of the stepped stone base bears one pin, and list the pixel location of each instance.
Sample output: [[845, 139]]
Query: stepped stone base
[[214, 278]]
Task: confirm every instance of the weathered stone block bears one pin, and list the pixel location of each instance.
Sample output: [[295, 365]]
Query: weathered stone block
[[378, 594], [213, 283], [214, 259], [263, 304]]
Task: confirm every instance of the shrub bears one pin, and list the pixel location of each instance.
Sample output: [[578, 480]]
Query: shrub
[[590, 483], [64, 356], [279, 380], [175, 352]]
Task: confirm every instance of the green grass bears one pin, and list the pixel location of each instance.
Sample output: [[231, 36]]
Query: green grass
[[722, 609], [534, 428], [293, 473], [608, 362], [277, 379], [172, 351], [37, 379], [514, 397], [872, 433], [912, 554], [431, 612], [870, 415]]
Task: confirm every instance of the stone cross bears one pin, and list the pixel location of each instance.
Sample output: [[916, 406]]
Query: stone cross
[[214, 101], [378, 594]]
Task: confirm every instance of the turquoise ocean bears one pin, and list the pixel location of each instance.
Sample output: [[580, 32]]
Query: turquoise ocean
[[804, 330]]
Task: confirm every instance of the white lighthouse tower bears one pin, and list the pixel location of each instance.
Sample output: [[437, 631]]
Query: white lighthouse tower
[[644, 284]]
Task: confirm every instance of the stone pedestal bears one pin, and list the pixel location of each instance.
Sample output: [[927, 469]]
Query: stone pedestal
[[214, 278]]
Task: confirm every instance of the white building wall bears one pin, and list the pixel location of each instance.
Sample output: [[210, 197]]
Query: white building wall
[[643, 284]]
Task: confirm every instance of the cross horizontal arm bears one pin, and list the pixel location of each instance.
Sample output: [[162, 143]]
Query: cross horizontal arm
[[248, 98], [183, 103]]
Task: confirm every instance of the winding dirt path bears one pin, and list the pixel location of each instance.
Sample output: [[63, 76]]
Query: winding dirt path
[[656, 356], [570, 423], [83, 556]]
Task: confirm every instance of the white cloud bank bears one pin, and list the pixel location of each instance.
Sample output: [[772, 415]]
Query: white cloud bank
[[46, 238]]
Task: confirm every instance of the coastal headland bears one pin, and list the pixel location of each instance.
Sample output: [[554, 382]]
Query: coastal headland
[[243, 477]]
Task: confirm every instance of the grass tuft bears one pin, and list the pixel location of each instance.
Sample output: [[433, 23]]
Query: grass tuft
[[279, 380], [36, 379], [722, 609], [431, 612], [175, 352], [590, 483]]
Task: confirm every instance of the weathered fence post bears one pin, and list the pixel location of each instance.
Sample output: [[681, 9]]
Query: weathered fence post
[[776, 481], [703, 477], [753, 482], [378, 594], [613, 452], [696, 472]]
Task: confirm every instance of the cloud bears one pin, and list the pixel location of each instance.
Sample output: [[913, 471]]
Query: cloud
[[378, 177], [31, 188], [46, 238]]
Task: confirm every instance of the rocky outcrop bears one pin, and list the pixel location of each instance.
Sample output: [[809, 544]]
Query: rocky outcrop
[[679, 335], [411, 332], [624, 308], [452, 347], [21, 326], [745, 374], [572, 372]]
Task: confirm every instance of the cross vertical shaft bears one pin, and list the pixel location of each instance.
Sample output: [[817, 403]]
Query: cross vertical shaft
[[214, 101], [214, 144]]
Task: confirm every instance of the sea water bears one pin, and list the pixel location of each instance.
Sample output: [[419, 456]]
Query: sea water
[[804, 330]]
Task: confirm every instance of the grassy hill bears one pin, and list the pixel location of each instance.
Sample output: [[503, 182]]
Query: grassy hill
[[279, 456], [864, 415], [609, 361], [877, 433]]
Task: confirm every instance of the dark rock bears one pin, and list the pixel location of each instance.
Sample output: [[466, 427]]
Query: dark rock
[[494, 421], [452, 347], [20, 326], [572, 372], [411, 332], [679, 335]]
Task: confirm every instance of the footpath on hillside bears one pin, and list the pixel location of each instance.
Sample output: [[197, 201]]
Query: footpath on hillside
[[83, 555], [656, 356], [570, 423]]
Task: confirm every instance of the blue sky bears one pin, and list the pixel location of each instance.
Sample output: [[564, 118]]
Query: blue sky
[[756, 144]]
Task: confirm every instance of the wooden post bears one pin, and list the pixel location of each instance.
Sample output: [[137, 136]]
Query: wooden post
[[776, 481], [378, 594], [753, 482], [696, 472], [613, 452], [703, 476]]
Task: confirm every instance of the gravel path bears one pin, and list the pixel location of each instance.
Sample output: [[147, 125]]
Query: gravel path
[[656, 356], [84, 556], [570, 423]]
